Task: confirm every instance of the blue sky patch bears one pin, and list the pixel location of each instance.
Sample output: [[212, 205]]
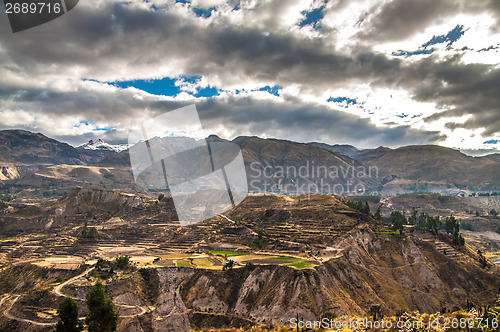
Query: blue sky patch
[[492, 141], [160, 87], [340, 100], [81, 123], [105, 129], [450, 38], [203, 12], [492, 47], [236, 4], [274, 90], [207, 92], [97, 129], [313, 18], [167, 86]]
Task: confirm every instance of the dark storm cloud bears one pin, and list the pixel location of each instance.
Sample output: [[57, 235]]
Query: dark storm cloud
[[102, 43], [291, 119], [126, 41], [101, 106], [122, 39], [459, 89], [306, 122], [399, 19]]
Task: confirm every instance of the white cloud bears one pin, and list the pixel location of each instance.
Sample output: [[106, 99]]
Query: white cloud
[[42, 74]]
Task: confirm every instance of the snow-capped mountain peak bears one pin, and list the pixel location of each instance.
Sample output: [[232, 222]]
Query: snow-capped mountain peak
[[99, 144]]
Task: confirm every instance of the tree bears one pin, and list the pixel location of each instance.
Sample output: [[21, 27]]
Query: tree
[[423, 221], [160, 197], [378, 214], [208, 211], [451, 225], [359, 206], [122, 261], [434, 224], [482, 260], [398, 219], [102, 316], [477, 213], [68, 316], [413, 218], [493, 213], [448, 225], [228, 265], [366, 209]]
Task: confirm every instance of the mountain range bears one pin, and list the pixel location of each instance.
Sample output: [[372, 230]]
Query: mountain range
[[427, 168], [99, 144], [271, 164], [303, 255]]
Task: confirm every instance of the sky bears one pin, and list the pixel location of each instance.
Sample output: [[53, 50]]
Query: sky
[[360, 72]]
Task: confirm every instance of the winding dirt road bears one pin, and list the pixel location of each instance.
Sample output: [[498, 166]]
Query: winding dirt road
[[58, 291], [7, 313]]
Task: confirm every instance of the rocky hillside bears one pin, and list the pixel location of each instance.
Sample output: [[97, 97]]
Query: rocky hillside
[[295, 168], [431, 168], [345, 149], [25, 148], [406, 169], [349, 261], [397, 273], [23, 152], [282, 166], [80, 205], [277, 166]]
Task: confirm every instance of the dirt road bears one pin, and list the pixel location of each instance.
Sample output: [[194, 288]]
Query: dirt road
[[58, 291]]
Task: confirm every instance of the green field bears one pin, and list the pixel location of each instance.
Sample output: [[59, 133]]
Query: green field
[[284, 259], [227, 253], [388, 232], [203, 262], [300, 265], [9, 239], [183, 263]]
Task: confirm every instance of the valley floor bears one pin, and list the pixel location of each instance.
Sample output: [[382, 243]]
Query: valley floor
[[289, 256]]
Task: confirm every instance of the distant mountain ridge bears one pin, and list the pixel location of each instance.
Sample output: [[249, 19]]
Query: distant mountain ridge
[[23, 152], [430, 167], [282, 164], [406, 169], [22, 147], [493, 156], [99, 144], [346, 149]]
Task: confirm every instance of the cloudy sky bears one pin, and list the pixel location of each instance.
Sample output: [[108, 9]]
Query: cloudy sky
[[366, 73]]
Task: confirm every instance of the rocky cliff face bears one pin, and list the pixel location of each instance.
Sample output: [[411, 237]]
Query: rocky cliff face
[[82, 204], [92, 203], [10, 172], [395, 272], [100, 197], [25, 148]]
